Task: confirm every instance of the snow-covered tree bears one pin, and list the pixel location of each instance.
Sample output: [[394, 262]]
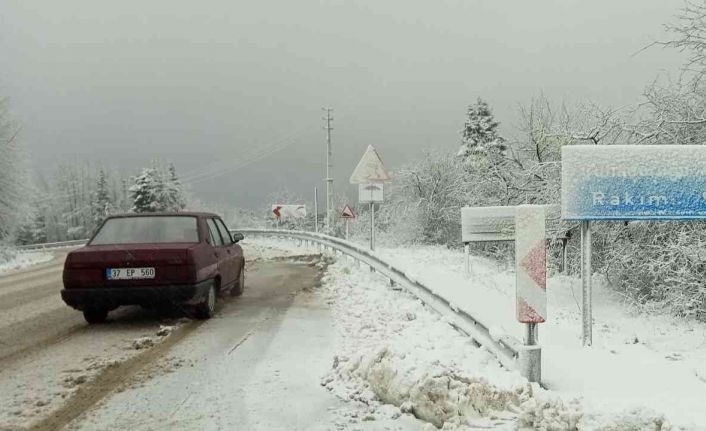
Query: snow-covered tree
[[176, 200], [479, 134], [33, 230], [102, 202], [146, 191], [13, 172], [157, 190]]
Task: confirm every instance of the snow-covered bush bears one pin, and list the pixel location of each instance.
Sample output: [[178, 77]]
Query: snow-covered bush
[[657, 264]]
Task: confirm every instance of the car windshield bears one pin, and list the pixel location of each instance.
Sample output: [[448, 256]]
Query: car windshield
[[159, 229]]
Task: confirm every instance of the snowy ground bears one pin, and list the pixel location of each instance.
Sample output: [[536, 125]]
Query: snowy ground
[[13, 260], [643, 372], [644, 366], [376, 358]]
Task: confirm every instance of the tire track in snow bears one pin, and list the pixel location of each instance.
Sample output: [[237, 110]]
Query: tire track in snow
[[110, 379]]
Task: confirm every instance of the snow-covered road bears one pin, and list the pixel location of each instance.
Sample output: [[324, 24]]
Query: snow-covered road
[[31, 311], [315, 343], [257, 365]]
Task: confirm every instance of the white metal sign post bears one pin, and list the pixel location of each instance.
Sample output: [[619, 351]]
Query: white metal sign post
[[586, 286], [628, 182], [370, 174], [371, 193]]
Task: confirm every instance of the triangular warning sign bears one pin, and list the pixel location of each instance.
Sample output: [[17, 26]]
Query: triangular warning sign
[[347, 212], [370, 169]]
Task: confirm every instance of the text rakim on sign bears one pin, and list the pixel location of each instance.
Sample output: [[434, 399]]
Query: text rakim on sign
[[646, 196], [671, 183]]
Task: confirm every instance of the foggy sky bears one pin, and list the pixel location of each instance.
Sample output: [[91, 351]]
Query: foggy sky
[[219, 87]]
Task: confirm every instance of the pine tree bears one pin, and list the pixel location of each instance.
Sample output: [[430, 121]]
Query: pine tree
[[25, 233], [157, 190], [145, 191], [480, 135], [33, 230], [102, 203], [175, 195]]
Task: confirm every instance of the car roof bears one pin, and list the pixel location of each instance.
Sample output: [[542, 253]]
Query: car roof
[[170, 213]]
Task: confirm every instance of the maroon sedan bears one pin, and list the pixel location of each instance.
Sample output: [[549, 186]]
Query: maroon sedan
[[152, 259]]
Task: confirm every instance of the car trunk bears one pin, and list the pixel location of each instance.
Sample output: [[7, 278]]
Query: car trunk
[[87, 267]]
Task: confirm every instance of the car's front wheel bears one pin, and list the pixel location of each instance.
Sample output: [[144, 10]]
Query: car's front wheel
[[95, 315], [206, 308]]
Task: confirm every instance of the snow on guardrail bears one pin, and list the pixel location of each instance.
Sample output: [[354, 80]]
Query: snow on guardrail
[[511, 353], [46, 245]]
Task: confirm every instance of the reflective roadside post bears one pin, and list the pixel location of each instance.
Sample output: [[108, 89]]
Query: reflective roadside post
[[531, 282], [525, 225]]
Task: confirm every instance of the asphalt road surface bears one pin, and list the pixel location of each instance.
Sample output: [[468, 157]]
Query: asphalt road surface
[[256, 365]]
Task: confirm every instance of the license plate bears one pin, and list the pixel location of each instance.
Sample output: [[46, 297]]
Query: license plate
[[129, 273]]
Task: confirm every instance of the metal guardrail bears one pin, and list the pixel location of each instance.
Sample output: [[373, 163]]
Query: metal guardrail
[[510, 352], [47, 245]]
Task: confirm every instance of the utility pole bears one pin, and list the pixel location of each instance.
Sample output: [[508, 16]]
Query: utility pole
[[329, 169], [316, 210]]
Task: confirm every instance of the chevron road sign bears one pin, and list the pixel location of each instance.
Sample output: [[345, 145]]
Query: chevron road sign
[[531, 264]]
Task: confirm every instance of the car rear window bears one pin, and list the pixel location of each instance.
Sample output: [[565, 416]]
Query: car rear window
[[143, 230]]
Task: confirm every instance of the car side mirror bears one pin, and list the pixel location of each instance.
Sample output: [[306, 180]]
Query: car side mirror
[[237, 237]]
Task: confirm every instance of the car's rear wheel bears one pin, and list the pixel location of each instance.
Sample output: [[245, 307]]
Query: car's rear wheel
[[95, 315], [206, 308], [240, 284]]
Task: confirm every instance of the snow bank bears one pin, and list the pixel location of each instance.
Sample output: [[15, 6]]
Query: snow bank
[[399, 352], [643, 373], [263, 248], [12, 259], [641, 368]]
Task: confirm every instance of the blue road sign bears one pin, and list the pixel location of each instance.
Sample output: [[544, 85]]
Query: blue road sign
[[634, 182]]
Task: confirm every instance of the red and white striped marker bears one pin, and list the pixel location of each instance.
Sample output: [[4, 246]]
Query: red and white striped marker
[[531, 264]]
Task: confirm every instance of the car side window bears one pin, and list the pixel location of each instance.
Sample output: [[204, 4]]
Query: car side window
[[225, 233], [217, 240]]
